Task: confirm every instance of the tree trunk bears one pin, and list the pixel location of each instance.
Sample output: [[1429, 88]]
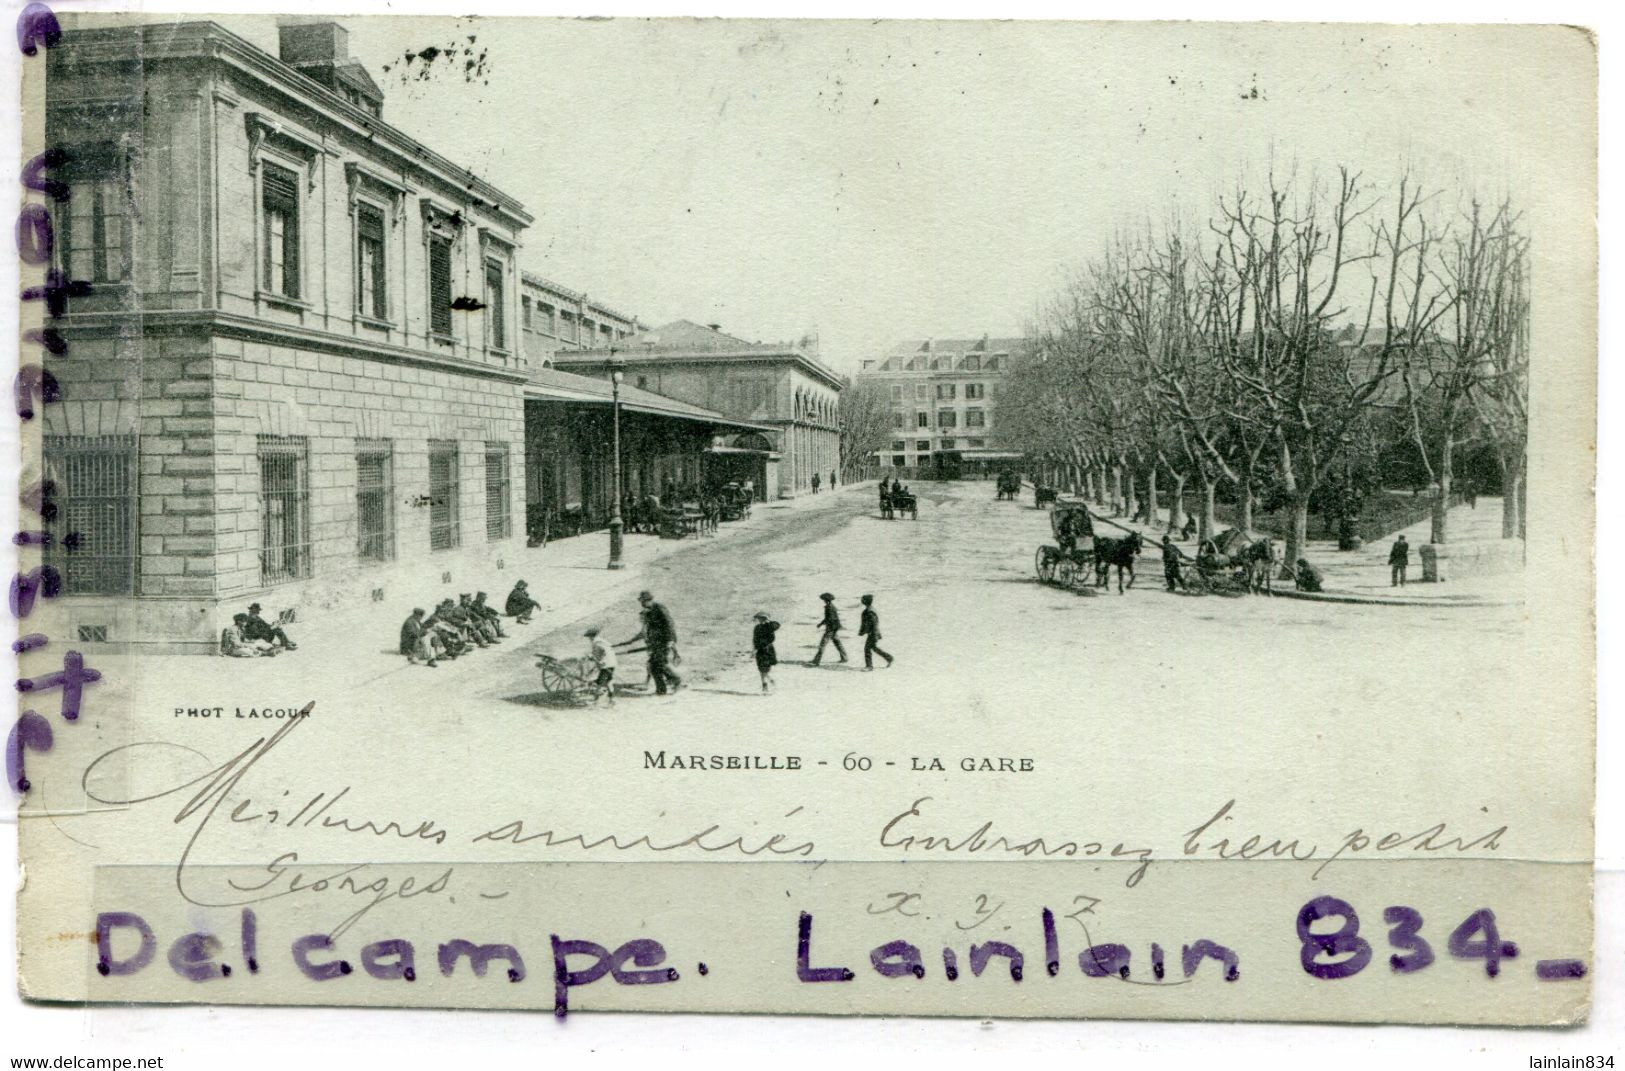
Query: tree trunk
[[1439, 530], [1512, 524], [1205, 526], [1151, 504], [1298, 535], [1130, 501], [1115, 486], [1176, 508]]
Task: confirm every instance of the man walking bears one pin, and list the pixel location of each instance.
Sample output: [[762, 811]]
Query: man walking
[[659, 635], [1170, 564], [1399, 560], [815, 483], [869, 628], [831, 627]]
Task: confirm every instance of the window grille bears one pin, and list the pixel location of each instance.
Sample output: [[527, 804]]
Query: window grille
[[439, 284], [284, 509], [498, 522], [443, 530], [280, 193], [371, 286], [93, 536], [375, 501]]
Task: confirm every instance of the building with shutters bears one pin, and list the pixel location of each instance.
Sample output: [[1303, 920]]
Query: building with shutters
[[944, 396], [553, 317], [297, 377]]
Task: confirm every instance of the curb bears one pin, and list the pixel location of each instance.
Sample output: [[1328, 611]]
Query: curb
[[1353, 599]]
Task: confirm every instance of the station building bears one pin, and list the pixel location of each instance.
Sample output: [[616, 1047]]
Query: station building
[[297, 378], [789, 397]]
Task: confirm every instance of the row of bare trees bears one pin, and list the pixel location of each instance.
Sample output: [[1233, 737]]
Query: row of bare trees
[[1287, 338]]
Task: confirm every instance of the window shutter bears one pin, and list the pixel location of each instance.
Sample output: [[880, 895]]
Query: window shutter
[[439, 285]]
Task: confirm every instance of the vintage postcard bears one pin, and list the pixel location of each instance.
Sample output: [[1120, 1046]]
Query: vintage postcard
[[1000, 519]]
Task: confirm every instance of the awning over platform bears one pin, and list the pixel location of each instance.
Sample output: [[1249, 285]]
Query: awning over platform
[[552, 385]]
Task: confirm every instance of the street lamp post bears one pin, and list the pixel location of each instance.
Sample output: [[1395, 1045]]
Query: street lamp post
[[615, 521]]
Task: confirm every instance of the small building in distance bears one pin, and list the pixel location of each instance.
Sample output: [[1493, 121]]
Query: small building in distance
[[944, 396], [781, 386]]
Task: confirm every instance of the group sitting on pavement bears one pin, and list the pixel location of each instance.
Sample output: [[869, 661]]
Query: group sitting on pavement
[[457, 627]]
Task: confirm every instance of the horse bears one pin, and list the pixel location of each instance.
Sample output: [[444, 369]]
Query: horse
[[1260, 558], [1009, 486], [1121, 552]]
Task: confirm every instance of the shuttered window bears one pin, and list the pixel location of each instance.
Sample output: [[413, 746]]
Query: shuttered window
[[498, 521], [439, 284], [371, 289], [444, 533], [496, 313], [280, 193]]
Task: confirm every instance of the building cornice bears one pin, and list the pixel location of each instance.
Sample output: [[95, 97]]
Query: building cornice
[[211, 41], [657, 358], [133, 324]]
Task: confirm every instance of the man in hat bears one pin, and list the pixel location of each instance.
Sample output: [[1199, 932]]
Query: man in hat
[[488, 614], [869, 627], [1170, 564], [257, 628], [659, 635], [1399, 561], [603, 655], [831, 626], [235, 644], [520, 605], [415, 640], [767, 656]]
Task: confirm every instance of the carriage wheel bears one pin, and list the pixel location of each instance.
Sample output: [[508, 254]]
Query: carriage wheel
[[1044, 563], [556, 681], [1066, 573]]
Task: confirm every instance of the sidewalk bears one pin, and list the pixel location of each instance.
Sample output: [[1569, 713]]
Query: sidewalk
[[569, 578], [1362, 576]]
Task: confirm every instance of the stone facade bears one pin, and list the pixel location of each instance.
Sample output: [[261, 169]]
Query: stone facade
[[274, 273], [552, 317], [782, 386]]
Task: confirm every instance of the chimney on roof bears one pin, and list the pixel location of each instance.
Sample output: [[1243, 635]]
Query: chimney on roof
[[321, 51], [715, 327]]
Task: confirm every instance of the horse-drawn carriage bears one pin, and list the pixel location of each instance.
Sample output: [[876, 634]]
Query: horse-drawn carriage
[[1074, 552], [1080, 551], [674, 522], [1044, 496], [1009, 486], [1234, 562], [895, 503]]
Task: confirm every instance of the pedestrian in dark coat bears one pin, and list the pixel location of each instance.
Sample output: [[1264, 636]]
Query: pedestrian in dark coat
[[520, 605], [815, 483], [831, 628], [659, 635], [869, 628], [1308, 578], [767, 656], [1399, 561], [1170, 564]]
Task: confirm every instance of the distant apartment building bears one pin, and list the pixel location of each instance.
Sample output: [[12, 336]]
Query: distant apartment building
[[553, 317], [944, 396]]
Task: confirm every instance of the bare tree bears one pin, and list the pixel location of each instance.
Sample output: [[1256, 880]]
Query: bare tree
[[1446, 370], [865, 426]]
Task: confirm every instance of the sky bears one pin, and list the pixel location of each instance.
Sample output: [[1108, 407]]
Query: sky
[[880, 181]]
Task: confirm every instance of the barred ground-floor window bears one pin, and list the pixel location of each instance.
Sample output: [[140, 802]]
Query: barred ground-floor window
[[498, 519], [284, 508], [93, 532], [375, 499], [444, 533]]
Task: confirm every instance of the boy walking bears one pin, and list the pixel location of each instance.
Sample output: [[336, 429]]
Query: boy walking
[[869, 628], [604, 655]]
